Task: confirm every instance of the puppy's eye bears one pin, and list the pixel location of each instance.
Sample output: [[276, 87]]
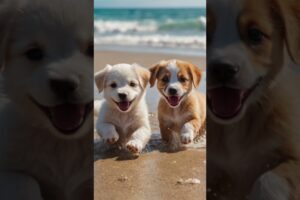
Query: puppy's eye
[[35, 54], [113, 85], [255, 36], [165, 79], [90, 50], [132, 84], [182, 79]]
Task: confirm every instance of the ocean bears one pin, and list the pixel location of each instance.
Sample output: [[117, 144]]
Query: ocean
[[181, 31]]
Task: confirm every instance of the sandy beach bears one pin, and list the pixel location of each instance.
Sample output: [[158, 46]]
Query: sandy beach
[[103, 58], [154, 174]]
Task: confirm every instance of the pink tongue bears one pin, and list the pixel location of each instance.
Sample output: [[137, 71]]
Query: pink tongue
[[174, 100], [225, 102], [67, 117], [124, 105]]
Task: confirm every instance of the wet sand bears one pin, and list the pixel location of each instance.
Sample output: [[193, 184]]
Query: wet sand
[[154, 175]]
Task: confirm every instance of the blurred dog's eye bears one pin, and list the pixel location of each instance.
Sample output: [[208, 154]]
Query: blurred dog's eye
[[35, 54], [165, 79], [255, 36], [182, 79], [132, 84], [90, 50], [113, 85]]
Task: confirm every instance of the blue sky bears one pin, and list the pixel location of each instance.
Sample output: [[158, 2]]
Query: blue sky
[[148, 3]]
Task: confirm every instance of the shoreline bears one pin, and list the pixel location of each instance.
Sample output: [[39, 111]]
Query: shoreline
[[188, 52]]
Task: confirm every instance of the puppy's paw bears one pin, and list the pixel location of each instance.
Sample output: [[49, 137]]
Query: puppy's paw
[[111, 138], [134, 146], [270, 186], [187, 137]]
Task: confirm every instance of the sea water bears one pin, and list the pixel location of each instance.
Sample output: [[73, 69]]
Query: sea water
[[180, 31]]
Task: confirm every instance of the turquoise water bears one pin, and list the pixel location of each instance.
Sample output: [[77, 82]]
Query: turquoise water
[[183, 29]]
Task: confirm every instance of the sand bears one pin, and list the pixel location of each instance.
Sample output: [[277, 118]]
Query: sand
[[103, 58], [154, 175]]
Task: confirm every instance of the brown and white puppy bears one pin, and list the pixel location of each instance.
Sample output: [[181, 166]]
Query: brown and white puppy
[[182, 109], [253, 99], [123, 113]]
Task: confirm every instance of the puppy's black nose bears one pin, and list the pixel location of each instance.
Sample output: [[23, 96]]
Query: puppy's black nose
[[223, 71], [172, 91], [122, 96], [63, 87]]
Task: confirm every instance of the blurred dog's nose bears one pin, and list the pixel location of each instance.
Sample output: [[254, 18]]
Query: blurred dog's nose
[[223, 72], [172, 91], [122, 96], [63, 87]]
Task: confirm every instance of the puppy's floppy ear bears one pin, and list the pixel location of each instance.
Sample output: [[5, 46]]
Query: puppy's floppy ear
[[100, 77], [196, 74], [143, 74], [290, 13], [154, 72]]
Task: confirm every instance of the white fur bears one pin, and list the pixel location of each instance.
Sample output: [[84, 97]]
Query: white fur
[[130, 129], [187, 133]]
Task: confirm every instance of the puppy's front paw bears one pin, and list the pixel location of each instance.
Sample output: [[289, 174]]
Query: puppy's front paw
[[187, 137], [270, 186], [134, 146], [111, 138]]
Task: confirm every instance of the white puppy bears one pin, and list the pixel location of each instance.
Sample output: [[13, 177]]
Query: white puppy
[[123, 115], [46, 119]]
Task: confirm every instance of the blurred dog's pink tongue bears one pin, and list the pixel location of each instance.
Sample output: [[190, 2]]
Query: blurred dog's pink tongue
[[67, 117], [124, 105], [225, 102], [174, 100]]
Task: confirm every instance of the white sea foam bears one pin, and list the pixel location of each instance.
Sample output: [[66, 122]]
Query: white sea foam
[[114, 26], [183, 33]]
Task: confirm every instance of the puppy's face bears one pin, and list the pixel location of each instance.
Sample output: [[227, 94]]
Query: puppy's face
[[48, 65], [247, 46], [175, 80], [123, 85]]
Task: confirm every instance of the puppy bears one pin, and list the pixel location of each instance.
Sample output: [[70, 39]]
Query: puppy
[[46, 118], [123, 114], [253, 101], [181, 110]]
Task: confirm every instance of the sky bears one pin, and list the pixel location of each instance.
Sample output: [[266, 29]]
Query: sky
[[148, 3]]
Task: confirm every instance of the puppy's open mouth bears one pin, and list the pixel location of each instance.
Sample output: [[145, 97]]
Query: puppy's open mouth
[[226, 102], [67, 117], [124, 105], [174, 100]]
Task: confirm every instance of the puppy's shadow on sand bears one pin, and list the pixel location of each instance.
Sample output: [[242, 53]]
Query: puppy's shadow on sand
[[105, 151]]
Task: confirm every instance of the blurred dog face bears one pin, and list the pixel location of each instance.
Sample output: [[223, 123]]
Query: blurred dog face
[[247, 46], [123, 85], [48, 65], [175, 80]]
